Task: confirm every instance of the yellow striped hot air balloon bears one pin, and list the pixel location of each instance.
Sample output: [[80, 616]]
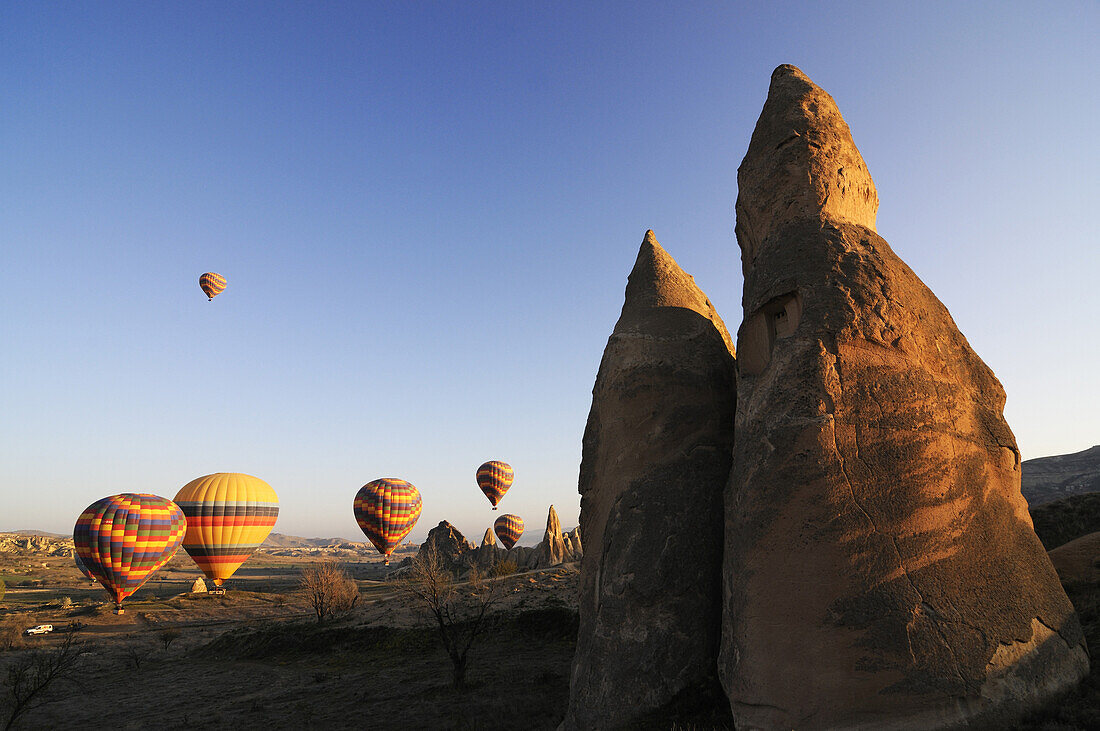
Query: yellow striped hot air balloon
[[212, 284], [494, 478], [508, 528], [386, 510], [229, 515]]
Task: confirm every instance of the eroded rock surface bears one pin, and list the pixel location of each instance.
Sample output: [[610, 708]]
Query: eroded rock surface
[[881, 569], [656, 456]]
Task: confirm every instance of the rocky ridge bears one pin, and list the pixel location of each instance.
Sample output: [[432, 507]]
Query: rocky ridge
[[460, 555], [1046, 479]]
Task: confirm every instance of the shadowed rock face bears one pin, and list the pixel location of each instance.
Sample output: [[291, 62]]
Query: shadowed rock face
[[655, 459], [880, 569]]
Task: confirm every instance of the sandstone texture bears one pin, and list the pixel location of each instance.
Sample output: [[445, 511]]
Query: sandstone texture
[[198, 586], [881, 570], [655, 460]]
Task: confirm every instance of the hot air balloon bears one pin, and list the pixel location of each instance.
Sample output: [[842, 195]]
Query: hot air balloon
[[494, 478], [508, 528], [124, 538], [229, 515], [83, 569], [212, 284], [386, 510]]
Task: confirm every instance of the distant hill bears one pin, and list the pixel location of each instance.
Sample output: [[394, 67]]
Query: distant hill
[[279, 540], [35, 533], [1052, 478]]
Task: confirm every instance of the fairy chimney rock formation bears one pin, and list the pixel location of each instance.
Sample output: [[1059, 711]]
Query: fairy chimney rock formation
[[552, 548], [655, 460], [490, 538], [880, 570], [801, 164], [448, 543]]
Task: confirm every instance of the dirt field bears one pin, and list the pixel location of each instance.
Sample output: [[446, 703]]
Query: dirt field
[[257, 658]]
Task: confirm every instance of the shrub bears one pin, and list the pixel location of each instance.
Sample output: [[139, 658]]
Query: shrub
[[329, 589]]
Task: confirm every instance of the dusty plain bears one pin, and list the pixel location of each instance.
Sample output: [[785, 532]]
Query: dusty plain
[[256, 657]]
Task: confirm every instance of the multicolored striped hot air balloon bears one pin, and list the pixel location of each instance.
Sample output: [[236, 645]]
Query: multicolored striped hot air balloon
[[386, 510], [508, 528], [124, 538], [229, 515], [494, 478], [212, 284]]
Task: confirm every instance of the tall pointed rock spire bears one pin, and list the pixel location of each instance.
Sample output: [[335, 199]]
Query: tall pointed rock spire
[[881, 570], [655, 459]]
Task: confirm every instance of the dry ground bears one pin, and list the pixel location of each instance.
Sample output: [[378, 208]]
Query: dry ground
[[257, 659]]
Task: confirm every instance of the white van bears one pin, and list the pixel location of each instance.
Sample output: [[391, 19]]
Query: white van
[[40, 629]]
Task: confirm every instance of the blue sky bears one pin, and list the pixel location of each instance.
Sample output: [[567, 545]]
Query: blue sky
[[427, 211]]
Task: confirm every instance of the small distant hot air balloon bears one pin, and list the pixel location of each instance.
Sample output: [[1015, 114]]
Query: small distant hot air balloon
[[124, 538], [212, 284], [386, 510], [494, 478], [83, 569], [508, 528], [229, 514]]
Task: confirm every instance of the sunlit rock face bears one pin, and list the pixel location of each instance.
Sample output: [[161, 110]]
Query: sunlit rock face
[[880, 568], [655, 460]]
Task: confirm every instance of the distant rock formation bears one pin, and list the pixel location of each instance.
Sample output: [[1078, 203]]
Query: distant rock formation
[[454, 551], [199, 586], [881, 570], [552, 548], [1047, 479], [35, 544], [459, 555], [655, 460]]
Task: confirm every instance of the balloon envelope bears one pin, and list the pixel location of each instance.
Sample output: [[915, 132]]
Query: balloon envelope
[[83, 569], [124, 538], [508, 528], [386, 510], [212, 284], [494, 478], [229, 514]]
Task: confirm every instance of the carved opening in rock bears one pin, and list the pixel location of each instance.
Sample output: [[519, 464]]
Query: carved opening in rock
[[779, 318]]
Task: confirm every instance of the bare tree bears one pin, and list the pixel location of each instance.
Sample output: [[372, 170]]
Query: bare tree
[[137, 653], [11, 635], [168, 636], [459, 609], [29, 677], [329, 589]]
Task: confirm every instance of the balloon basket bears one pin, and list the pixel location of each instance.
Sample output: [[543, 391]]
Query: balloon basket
[[119, 609], [218, 591]]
